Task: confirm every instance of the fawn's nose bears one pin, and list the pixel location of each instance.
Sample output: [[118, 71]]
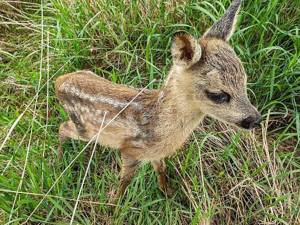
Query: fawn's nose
[[251, 122]]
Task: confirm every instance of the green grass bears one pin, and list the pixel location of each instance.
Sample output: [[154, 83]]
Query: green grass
[[221, 176]]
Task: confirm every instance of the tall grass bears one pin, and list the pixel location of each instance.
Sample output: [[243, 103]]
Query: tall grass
[[221, 176]]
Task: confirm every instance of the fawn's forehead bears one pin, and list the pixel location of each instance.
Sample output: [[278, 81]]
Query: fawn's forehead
[[219, 58]]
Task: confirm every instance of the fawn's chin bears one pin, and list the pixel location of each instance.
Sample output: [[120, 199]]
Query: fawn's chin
[[239, 126]]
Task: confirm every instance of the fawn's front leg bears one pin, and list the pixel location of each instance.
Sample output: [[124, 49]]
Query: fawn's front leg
[[160, 168], [129, 166]]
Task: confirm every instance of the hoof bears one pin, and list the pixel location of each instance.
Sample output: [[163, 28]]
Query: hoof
[[168, 191]]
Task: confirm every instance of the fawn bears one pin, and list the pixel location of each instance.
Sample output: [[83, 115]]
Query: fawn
[[206, 78]]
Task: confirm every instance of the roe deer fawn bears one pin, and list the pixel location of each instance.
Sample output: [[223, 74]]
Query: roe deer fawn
[[206, 78]]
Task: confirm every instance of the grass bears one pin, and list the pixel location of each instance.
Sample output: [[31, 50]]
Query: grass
[[222, 176]]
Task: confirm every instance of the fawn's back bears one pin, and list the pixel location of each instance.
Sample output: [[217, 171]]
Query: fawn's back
[[90, 100]]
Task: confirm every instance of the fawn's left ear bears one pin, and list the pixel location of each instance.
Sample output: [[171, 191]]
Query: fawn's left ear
[[186, 50], [224, 27]]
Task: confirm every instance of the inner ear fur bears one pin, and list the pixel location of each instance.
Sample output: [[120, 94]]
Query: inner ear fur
[[185, 50]]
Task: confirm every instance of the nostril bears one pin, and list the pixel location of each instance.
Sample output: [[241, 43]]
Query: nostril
[[251, 122], [248, 122]]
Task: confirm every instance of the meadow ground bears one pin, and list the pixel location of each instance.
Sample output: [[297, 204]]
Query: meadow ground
[[221, 176]]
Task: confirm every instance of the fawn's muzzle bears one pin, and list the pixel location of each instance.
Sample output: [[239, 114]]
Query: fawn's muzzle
[[251, 122]]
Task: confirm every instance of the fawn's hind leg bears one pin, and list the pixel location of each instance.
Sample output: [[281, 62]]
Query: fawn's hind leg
[[160, 168], [67, 130], [129, 166]]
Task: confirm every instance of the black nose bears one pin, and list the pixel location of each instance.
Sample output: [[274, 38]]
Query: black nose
[[251, 122]]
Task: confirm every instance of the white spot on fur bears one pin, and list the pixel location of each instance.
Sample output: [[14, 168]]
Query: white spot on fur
[[101, 113], [161, 96]]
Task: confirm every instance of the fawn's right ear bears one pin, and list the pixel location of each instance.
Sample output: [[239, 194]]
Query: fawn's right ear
[[186, 50], [224, 27]]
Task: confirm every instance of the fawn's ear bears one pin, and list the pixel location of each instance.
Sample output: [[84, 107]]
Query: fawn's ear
[[224, 27], [186, 50]]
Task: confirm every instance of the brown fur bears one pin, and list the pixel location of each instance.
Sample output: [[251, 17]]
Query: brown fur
[[158, 122]]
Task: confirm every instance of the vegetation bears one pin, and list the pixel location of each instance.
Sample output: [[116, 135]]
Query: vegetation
[[221, 176]]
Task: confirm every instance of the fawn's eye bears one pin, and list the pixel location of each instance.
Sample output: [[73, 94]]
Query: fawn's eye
[[218, 97]]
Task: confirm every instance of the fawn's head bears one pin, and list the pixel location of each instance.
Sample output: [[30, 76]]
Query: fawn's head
[[212, 74]]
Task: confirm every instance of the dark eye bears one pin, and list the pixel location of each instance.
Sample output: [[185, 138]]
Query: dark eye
[[218, 97]]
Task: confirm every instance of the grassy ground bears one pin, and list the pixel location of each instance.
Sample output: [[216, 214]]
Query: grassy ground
[[221, 177]]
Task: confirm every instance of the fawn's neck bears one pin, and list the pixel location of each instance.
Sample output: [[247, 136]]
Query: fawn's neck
[[177, 113]]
